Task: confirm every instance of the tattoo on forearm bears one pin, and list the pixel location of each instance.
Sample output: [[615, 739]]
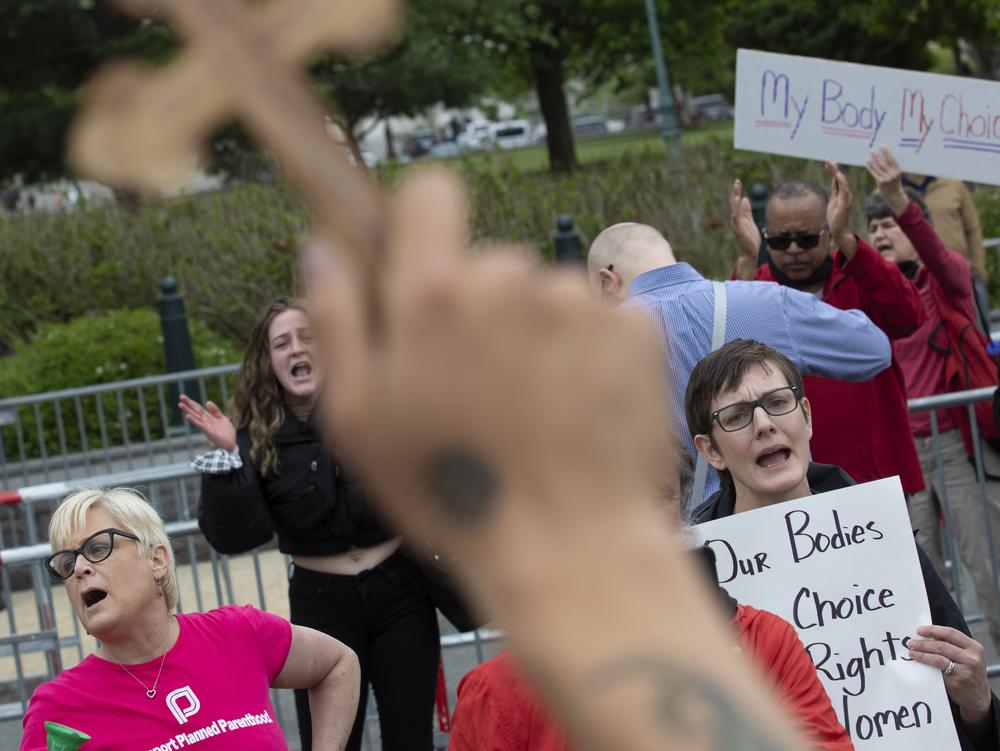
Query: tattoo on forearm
[[462, 484], [689, 707]]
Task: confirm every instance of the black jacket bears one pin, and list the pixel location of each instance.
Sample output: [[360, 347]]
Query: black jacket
[[944, 611], [313, 506]]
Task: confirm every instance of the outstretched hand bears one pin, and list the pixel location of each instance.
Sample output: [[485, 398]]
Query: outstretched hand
[[211, 421], [470, 387], [888, 175], [744, 229], [838, 210]]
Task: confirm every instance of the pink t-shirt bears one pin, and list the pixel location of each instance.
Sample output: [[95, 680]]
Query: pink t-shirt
[[212, 694]]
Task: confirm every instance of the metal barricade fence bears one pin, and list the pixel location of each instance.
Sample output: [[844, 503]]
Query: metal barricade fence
[[43, 649], [965, 400], [110, 427]]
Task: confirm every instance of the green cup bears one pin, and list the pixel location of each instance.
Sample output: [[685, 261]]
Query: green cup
[[61, 738]]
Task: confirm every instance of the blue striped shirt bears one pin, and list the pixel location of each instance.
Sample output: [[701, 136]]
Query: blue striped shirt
[[819, 338]]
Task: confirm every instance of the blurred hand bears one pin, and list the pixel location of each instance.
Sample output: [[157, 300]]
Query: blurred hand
[[493, 394], [211, 421], [506, 418]]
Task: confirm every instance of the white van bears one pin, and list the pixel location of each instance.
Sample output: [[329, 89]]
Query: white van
[[512, 134]]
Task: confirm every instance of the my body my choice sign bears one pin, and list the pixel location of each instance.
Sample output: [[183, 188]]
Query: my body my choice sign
[[820, 109], [842, 568]]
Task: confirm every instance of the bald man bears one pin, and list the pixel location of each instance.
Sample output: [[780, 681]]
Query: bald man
[[634, 264]]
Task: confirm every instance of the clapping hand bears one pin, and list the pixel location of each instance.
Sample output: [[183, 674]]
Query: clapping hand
[[745, 231], [211, 421], [838, 211]]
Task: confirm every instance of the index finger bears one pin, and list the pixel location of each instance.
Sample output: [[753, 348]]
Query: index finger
[[428, 223], [946, 633]]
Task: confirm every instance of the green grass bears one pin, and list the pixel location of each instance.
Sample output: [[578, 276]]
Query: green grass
[[598, 149]]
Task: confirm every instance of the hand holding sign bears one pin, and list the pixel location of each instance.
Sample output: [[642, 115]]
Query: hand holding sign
[[961, 659]]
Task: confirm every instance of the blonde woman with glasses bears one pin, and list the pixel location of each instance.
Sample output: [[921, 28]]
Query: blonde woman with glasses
[[161, 679]]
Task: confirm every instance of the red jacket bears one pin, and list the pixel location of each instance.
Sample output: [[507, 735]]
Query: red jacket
[[497, 712], [863, 427]]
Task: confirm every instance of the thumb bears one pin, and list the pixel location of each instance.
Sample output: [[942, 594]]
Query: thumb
[[213, 409]]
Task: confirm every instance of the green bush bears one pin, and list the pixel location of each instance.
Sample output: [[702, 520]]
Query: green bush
[[116, 346], [233, 251]]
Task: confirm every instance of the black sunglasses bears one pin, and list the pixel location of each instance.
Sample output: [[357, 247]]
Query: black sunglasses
[[95, 549], [806, 241]]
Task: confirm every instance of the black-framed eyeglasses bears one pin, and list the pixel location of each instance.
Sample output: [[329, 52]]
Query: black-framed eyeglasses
[[806, 241], [776, 402], [95, 549]]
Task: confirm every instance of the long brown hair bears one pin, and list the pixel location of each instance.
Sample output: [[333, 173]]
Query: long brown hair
[[258, 403]]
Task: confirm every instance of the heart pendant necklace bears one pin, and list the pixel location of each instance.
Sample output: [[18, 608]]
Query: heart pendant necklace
[[151, 691]]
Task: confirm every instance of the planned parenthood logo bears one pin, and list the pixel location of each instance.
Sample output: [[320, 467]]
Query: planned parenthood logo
[[183, 704]]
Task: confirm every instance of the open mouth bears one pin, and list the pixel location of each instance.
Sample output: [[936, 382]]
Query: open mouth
[[301, 370], [883, 247], [773, 457], [92, 596]]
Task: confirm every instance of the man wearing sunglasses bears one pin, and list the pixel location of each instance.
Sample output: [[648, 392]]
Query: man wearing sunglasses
[[858, 425]]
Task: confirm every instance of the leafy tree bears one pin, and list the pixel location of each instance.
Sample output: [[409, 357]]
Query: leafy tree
[[544, 43], [48, 48], [432, 63], [877, 32]]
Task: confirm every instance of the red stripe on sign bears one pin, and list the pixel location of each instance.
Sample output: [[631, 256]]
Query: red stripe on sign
[[10, 497]]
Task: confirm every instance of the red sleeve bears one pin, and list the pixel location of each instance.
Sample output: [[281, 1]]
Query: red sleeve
[[890, 300], [488, 713], [496, 709], [950, 269], [473, 700], [777, 649]]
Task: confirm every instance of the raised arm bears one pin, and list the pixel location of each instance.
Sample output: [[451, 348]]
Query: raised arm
[[330, 671], [507, 418], [890, 300], [949, 269]]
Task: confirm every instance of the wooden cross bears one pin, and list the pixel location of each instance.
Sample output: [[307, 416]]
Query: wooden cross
[[144, 128]]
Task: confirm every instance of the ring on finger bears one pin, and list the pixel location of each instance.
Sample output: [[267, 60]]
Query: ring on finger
[[950, 669]]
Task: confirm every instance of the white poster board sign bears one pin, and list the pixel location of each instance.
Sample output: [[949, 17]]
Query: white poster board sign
[[820, 109], [842, 568]]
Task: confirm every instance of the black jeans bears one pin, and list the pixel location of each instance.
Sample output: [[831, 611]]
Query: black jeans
[[385, 616]]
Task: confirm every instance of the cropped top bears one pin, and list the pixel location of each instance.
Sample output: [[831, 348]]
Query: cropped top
[[310, 502]]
